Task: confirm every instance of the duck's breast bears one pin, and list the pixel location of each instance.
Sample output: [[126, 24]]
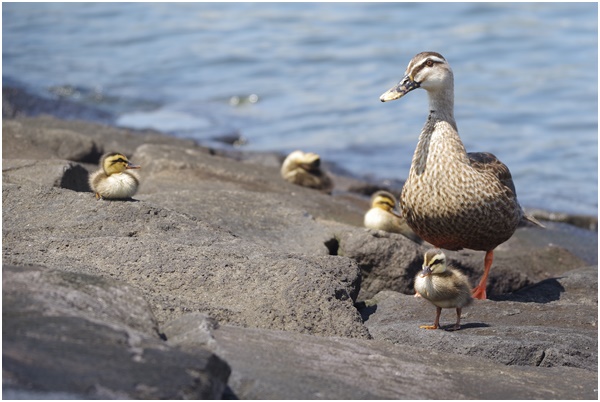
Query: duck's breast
[[453, 205]]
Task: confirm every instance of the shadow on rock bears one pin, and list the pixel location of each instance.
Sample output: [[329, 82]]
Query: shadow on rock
[[365, 311], [546, 291], [470, 325], [75, 177]]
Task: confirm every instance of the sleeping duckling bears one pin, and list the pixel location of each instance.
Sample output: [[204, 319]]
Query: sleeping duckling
[[443, 286], [114, 180], [383, 216], [304, 169]]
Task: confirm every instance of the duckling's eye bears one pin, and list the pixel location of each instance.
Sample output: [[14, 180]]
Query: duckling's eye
[[120, 160], [429, 63]]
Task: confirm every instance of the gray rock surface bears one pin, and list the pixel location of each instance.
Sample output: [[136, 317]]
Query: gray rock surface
[[92, 337], [178, 261], [230, 259], [537, 326], [270, 364], [390, 261]]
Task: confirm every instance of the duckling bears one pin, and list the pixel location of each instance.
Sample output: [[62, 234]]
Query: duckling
[[443, 286], [115, 179], [383, 216], [304, 169]]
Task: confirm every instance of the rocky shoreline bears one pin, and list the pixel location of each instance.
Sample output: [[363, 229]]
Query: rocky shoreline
[[221, 280]]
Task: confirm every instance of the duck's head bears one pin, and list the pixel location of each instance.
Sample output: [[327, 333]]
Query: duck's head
[[115, 162], [383, 200], [427, 70], [434, 262], [308, 161]]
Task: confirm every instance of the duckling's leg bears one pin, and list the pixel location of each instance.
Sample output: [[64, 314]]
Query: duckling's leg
[[456, 326], [479, 291], [436, 324]]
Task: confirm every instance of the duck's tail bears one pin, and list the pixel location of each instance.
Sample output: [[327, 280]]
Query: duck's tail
[[528, 220]]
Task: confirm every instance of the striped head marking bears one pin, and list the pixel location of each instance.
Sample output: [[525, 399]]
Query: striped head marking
[[434, 262], [383, 200], [115, 162], [426, 70]]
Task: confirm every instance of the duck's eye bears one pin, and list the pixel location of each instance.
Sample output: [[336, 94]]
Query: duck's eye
[[429, 63]]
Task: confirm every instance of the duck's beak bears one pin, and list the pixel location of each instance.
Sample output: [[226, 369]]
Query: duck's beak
[[406, 85], [426, 271], [132, 166]]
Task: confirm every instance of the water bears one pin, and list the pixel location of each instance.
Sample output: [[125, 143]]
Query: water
[[308, 76]]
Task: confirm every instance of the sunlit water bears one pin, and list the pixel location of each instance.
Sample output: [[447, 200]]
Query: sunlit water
[[308, 76]]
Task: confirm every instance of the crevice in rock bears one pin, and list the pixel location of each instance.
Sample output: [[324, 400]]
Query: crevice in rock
[[365, 308], [342, 294], [333, 245], [540, 358]]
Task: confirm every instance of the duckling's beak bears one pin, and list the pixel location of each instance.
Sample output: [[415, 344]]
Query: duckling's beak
[[406, 85], [132, 166], [426, 271]]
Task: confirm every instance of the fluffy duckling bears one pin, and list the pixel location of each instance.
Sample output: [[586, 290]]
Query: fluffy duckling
[[115, 179], [304, 169], [383, 216], [443, 286]]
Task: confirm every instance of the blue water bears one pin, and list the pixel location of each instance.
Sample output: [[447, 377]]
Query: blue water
[[308, 76]]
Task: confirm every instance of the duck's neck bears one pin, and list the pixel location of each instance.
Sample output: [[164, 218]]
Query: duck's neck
[[441, 105], [439, 136]]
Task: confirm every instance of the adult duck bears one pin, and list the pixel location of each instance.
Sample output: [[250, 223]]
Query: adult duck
[[453, 199]]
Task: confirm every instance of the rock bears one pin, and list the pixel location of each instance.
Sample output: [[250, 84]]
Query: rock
[[269, 364], [19, 102], [169, 169], [201, 267], [46, 143], [46, 172], [24, 138], [579, 242], [582, 221], [522, 329], [243, 203], [91, 337], [192, 331], [387, 260], [231, 259], [390, 262]]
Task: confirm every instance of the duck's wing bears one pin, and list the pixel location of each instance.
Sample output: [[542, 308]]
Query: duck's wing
[[487, 162]]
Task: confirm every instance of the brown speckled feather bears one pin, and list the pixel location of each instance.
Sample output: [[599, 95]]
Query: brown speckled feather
[[456, 200], [488, 161]]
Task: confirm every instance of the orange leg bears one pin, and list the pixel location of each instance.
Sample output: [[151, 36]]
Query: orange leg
[[436, 324], [479, 291]]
